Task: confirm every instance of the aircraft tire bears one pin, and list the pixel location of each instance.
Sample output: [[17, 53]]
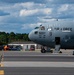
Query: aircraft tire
[[43, 51], [51, 51], [60, 52]]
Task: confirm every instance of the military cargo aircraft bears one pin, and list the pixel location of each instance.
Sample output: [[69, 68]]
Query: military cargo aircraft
[[58, 35]]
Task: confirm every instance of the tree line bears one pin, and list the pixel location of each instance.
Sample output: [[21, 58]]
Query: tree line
[[6, 38]]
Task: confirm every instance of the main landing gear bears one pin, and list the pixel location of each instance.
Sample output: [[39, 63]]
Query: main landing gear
[[44, 50], [47, 49]]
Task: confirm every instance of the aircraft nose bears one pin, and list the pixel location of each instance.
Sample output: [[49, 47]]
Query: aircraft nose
[[30, 35]]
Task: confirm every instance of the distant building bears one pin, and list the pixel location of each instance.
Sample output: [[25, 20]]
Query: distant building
[[28, 45]]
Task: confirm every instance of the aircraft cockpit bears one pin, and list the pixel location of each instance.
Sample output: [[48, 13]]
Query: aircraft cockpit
[[40, 27], [37, 31], [36, 28]]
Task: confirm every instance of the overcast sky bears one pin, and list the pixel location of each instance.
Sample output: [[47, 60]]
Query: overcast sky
[[21, 16]]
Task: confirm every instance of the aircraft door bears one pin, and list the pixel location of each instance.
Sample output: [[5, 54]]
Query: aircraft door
[[57, 44], [57, 40]]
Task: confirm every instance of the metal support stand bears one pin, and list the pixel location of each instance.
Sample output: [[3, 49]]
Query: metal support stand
[[57, 48]]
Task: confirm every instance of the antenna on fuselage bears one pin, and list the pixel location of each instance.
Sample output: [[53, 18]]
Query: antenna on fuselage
[[56, 19]]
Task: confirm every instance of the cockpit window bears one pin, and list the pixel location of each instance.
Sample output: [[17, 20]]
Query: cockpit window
[[36, 28], [36, 32], [42, 28]]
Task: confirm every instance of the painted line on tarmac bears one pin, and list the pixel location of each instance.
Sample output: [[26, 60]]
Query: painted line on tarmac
[[37, 64], [1, 72]]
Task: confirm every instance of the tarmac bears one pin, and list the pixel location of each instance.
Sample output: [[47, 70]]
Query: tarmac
[[37, 63]]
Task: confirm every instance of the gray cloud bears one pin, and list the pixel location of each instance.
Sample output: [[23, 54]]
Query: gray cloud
[[19, 1], [60, 9], [2, 13], [61, 1]]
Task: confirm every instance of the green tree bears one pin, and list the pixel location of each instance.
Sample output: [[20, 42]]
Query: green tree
[[3, 39], [6, 38], [11, 37]]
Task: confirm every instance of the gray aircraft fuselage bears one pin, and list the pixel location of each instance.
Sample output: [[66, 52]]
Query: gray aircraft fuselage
[[56, 33]]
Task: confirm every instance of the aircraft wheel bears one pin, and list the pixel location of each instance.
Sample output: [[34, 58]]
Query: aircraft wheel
[[51, 51], [43, 51], [60, 52]]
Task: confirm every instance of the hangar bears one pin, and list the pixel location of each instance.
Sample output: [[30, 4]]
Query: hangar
[[27, 45]]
